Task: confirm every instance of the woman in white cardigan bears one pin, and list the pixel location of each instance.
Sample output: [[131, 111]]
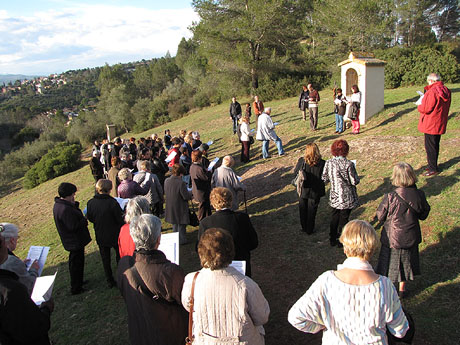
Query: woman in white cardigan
[[229, 308], [353, 305], [245, 138]]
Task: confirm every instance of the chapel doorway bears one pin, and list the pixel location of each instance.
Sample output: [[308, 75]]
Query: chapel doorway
[[352, 79]]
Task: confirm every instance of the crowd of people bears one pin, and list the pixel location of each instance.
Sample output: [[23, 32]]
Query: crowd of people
[[218, 304]]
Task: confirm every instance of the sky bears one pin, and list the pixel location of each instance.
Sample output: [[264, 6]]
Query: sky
[[42, 37]]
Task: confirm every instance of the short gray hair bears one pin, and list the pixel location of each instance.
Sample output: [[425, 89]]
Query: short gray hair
[[145, 231], [228, 161], [8, 230], [136, 206], [433, 77], [124, 174], [267, 110]]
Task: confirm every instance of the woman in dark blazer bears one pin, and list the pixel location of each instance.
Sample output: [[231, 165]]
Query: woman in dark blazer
[[313, 186], [201, 184], [107, 216], [238, 224], [177, 196]]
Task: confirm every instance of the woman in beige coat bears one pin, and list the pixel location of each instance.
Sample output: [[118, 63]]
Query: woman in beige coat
[[229, 307]]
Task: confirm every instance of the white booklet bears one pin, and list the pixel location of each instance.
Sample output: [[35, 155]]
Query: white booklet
[[43, 289], [213, 162], [170, 156], [240, 266], [169, 245], [210, 142], [40, 254], [419, 101]]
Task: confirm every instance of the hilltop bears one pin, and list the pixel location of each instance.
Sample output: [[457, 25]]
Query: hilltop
[[287, 261]]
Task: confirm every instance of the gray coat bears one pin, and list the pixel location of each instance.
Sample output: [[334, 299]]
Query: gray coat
[[226, 177], [177, 197], [155, 193]]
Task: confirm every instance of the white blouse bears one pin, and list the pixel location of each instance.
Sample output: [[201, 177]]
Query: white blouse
[[245, 131], [349, 314]]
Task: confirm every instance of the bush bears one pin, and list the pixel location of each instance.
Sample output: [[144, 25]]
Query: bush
[[410, 66], [63, 158]]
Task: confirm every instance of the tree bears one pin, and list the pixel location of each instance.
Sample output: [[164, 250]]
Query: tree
[[239, 37], [446, 22]]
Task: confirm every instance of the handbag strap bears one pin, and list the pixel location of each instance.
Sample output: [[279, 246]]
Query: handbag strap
[[189, 339], [144, 288], [405, 203]]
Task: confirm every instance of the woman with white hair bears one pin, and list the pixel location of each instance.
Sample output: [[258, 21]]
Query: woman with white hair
[[266, 132], [10, 233], [352, 305], [135, 207], [224, 176], [128, 188], [151, 286]]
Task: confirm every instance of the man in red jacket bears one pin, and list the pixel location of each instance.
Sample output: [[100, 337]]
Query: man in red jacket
[[434, 111]]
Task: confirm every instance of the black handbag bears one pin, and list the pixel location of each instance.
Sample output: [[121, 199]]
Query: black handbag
[[193, 217], [407, 339], [251, 140]]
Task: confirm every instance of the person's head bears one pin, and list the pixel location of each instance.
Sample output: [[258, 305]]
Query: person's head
[[132, 140], [145, 166], [355, 89], [136, 206], [188, 139], [125, 174], [310, 87], [115, 161], [67, 191], [221, 198], [268, 110], [167, 132], [216, 249], [256, 98], [433, 78], [245, 119], [248, 105], [196, 156], [175, 142], [359, 239], [103, 186], [228, 161], [312, 154], [340, 148], [339, 91], [203, 148], [154, 136], [10, 234], [403, 175], [145, 231], [233, 99], [3, 250], [118, 141], [178, 170], [144, 154], [96, 153], [183, 133], [196, 135]]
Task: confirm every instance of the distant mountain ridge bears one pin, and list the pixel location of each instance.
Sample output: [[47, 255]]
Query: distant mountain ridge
[[6, 78]]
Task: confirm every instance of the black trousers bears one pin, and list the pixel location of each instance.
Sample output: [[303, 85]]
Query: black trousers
[[307, 212], [107, 262], [204, 209], [76, 268], [245, 145], [432, 150], [338, 220]]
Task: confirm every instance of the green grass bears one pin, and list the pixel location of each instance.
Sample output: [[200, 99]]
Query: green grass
[[286, 262]]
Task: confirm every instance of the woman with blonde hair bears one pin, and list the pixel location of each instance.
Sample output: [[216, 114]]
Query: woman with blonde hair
[[352, 305], [312, 188], [401, 211]]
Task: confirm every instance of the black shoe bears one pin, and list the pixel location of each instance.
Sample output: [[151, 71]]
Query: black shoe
[[111, 283], [78, 291]]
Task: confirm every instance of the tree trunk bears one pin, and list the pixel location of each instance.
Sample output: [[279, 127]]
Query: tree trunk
[[254, 79]]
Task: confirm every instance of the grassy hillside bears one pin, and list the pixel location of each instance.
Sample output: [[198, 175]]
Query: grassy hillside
[[287, 261]]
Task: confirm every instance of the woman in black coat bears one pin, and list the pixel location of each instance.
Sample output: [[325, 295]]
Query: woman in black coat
[[107, 216], [313, 186], [201, 184]]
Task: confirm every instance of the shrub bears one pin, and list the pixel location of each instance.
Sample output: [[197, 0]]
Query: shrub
[[63, 158]]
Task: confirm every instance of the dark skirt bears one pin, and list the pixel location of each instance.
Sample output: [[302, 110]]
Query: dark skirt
[[398, 265]]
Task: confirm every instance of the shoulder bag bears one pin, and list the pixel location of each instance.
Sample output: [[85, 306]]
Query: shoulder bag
[[189, 339]]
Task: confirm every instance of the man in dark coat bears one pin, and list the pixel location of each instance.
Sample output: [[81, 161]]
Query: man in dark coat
[[201, 184], [235, 113], [151, 286], [107, 216], [72, 227], [97, 169], [303, 102], [21, 321], [237, 223]]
